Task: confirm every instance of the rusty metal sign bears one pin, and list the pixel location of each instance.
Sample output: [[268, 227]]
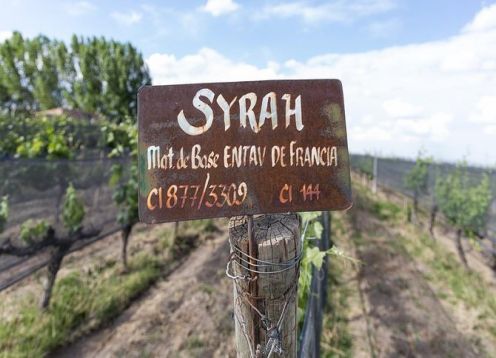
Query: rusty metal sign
[[225, 149]]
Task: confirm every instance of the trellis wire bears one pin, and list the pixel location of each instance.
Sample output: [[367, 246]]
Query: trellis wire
[[251, 268], [392, 171], [35, 190], [309, 337]]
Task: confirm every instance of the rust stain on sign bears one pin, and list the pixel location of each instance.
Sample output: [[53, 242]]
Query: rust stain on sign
[[224, 149]]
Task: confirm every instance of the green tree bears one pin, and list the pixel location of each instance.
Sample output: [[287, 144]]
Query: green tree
[[465, 204], [93, 74], [110, 74], [16, 94], [417, 180], [45, 79]]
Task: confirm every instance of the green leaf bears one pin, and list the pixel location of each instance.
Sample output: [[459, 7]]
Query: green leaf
[[309, 216], [73, 210], [463, 202], [33, 230], [315, 256], [116, 174], [318, 229], [4, 212], [417, 179], [337, 252]]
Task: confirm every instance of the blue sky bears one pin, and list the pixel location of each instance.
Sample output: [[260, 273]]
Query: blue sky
[[416, 74], [255, 31]]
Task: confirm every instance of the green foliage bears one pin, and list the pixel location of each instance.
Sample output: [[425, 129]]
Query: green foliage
[[336, 339], [33, 230], [92, 74], [73, 210], [313, 226], [123, 137], [312, 257], [465, 286], [417, 179], [364, 164], [126, 198], [4, 212], [48, 142], [464, 203], [80, 302], [53, 137], [57, 137], [385, 210]]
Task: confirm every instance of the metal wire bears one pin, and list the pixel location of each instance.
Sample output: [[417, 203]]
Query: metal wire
[[244, 269]]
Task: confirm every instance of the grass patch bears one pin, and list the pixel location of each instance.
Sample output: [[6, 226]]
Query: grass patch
[[457, 285], [78, 300], [336, 340], [83, 301], [384, 210], [194, 342], [466, 286], [208, 289], [445, 269], [199, 226]]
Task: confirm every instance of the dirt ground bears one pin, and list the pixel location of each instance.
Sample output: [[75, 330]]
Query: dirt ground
[[405, 318], [188, 314], [394, 310], [99, 252]]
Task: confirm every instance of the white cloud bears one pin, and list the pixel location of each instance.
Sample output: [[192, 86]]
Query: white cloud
[[79, 8], [485, 113], [205, 66], [485, 110], [364, 133], [5, 35], [334, 11], [397, 108], [434, 127], [484, 20], [220, 7], [439, 95], [490, 130], [127, 18]]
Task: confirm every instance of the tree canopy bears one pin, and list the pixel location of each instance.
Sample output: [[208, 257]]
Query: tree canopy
[[463, 202], [417, 178], [91, 74]]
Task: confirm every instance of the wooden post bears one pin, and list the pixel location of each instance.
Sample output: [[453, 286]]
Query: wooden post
[[374, 183], [494, 254], [265, 300]]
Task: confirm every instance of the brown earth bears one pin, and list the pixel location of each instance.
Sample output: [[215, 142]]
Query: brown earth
[[98, 253], [394, 310], [405, 316], [188, 314]]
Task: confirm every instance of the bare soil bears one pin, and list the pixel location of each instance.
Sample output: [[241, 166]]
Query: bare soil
[[405, 316], [479, 260], [394, 310], [188, 314], [98, 253]]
